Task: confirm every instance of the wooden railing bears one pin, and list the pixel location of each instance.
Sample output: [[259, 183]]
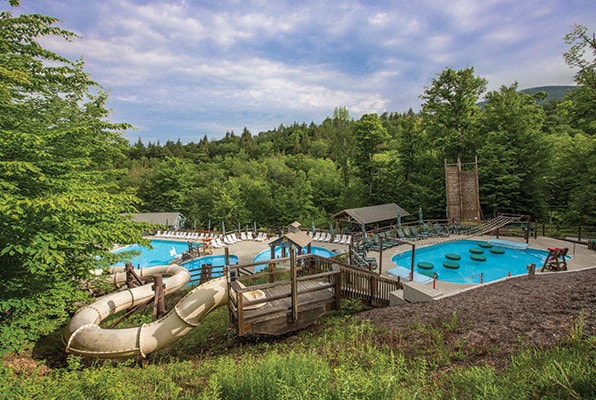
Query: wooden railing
[[370, 287], [357, 283]]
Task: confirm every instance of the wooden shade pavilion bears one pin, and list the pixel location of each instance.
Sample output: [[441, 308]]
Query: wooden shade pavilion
[[371, 216]]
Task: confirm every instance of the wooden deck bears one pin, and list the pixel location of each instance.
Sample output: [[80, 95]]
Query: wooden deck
[[315, 286], [282, 307]]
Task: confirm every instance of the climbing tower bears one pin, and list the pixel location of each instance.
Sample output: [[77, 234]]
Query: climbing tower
[[462, 191]]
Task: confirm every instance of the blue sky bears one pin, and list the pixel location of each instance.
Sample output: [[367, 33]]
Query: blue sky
[[182, 69]]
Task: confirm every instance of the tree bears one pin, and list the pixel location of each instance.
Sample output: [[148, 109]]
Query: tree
[[581, 43], [450, 111], [60, 211], [513, 155], [339, 133], [369, 136]]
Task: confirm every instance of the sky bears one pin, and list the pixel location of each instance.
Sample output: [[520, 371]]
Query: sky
[[185, 69]]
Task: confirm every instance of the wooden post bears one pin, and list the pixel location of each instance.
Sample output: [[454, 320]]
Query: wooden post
[[132, 276], [293, 271], [338, 278], [531, 270], [373, 288], [240, 305], [350, 248], [130, 280], [527, 235], [579, 233], [159, 305], [413, 254], [380, 255], [271, 264]]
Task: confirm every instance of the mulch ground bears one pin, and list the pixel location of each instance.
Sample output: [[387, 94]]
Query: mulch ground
[[500, 319]]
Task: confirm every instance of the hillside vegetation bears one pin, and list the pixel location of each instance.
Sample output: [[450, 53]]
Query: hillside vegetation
[[69, 182]]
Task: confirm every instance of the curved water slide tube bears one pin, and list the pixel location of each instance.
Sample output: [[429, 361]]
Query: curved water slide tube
[[85, 337]]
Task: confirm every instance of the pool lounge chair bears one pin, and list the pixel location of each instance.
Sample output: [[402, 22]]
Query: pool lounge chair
[[261, 237], [440, 231], [401, 234], [345, 239], [413, 233], [362, 261], [217, 243]]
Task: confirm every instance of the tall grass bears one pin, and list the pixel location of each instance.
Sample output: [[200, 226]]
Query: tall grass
[[339, 358]]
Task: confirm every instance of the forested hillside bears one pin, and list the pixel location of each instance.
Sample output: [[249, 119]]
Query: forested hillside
[[69, 178], [533, 159]]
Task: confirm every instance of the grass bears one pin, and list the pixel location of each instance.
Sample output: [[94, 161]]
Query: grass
[[339, 357]]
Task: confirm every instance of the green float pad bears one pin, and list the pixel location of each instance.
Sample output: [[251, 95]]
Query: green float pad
[[425, 265], [452, 256], [474, 250], [451, 264], [497, 251], [430, 274], [477, 257], [485, 245]]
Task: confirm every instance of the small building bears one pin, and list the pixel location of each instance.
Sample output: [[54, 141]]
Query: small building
[[169, 219], [370, 217], [294, 237]]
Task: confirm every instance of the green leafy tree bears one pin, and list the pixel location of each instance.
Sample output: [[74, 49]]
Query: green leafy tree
[[168, 185], [60, 210], [339, 133], [369, 136], [513, 154], [450, 112], [582, 55]]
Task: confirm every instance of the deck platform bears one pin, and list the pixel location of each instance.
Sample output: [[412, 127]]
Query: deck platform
[[277, 309]]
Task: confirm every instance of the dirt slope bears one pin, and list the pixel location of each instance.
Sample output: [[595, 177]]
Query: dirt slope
[[499, 319]]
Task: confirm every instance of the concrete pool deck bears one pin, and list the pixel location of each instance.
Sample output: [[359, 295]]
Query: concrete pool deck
[[581, 256]]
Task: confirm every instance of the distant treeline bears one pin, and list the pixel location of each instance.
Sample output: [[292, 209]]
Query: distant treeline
[[533, 159]]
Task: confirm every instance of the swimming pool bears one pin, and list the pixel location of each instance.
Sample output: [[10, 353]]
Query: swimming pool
[[463, 261], [161, 253], [266, 255]]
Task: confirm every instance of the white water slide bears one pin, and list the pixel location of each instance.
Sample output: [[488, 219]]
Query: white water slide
[[85, 337]]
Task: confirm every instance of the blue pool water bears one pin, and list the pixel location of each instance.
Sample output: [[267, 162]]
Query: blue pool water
[[512, 261], [266, 255], [216, 261], [161, 253]]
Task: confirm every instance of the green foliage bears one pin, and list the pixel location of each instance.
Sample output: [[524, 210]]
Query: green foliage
[[582, 55], [512, 154], [342, 358], [60, 213], [451, 110]]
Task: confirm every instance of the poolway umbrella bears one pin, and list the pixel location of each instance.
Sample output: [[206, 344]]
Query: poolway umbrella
[[398, 219], [420, 215], [312, 228], [255, 226], [223, 228], [331, 230]]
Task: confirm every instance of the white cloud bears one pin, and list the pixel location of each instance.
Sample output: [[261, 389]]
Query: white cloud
[[180, 68]]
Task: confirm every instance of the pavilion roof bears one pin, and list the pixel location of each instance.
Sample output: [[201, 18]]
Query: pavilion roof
[[371, 214]]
